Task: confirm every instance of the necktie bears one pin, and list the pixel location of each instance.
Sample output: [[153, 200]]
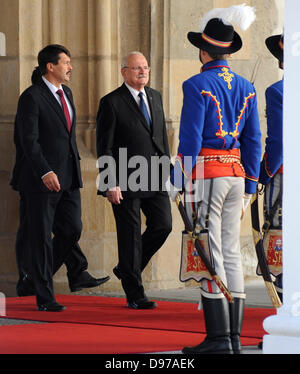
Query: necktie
[[144, 109], [65, 108]]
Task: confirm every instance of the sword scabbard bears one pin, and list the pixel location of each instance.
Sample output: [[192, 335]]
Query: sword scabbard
[[260, 253], [223, 288], [201, 252], [276, 302]]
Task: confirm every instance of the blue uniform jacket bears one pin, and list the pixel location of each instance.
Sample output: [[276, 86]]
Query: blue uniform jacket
[[273, 156], [220, 112]]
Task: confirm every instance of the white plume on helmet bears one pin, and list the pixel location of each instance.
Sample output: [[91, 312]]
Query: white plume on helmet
[[239, 15]]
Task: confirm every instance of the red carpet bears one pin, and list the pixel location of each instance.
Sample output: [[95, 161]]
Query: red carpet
[[68, 338], [104, 325]]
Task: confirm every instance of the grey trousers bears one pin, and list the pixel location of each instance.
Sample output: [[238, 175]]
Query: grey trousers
[[224, 222]]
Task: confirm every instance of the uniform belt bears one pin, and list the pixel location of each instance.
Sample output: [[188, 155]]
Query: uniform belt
[[225, 159], [221, 162]]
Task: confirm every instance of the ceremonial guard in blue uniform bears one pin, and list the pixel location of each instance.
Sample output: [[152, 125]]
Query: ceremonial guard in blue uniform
[[219, 123], [271, 169]]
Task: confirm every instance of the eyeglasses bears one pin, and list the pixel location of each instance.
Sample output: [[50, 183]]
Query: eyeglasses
[[137, 68]]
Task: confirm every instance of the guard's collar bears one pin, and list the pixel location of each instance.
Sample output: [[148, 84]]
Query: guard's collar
[[214, 65]]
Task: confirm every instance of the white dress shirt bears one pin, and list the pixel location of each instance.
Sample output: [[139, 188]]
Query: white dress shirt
[[53, 89]]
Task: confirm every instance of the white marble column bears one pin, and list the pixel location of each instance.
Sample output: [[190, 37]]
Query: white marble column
[[284, 327]]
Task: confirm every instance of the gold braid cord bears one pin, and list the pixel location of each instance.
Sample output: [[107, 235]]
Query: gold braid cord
[[224, 159]]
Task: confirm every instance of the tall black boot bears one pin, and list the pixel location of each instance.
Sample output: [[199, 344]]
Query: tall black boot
[[236, 312], [216, 315]]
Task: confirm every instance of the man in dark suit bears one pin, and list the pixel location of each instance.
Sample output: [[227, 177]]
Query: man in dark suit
[[47, 171], [76, 263], [131, 131]]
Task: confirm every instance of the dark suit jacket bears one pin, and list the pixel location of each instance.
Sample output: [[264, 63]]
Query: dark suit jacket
[[121, 124], [43, 142]]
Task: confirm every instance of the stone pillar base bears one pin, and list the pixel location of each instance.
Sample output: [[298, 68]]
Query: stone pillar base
[[284, 332], [278, 344]]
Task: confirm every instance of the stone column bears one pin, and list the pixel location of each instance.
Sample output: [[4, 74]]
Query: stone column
[[22, 42]]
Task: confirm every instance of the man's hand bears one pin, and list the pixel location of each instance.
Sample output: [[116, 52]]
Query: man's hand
[[172, 190], [114, 195], [50, 180]]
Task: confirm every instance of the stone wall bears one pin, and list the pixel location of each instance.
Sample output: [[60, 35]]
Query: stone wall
[[99, 33]]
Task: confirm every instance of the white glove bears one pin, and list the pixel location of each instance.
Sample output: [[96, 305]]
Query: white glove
[[172, 190], [246, 201]]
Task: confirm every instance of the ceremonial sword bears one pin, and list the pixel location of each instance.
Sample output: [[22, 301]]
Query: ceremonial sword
[[260, 252], [255, 70], [200, 250]]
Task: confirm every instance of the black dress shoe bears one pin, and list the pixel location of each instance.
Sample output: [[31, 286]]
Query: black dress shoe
[[51, 307], [117, 272], [141, 304], [25, 286], [85, 280]]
